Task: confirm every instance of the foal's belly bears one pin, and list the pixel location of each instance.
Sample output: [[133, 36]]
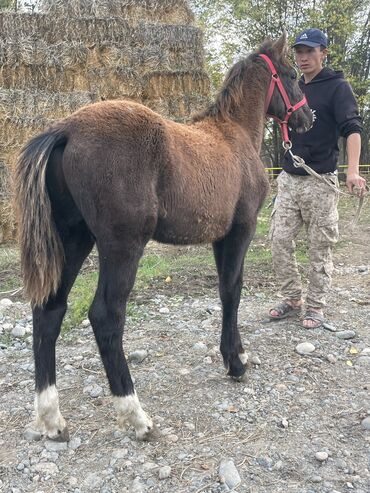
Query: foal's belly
[[187, 229]]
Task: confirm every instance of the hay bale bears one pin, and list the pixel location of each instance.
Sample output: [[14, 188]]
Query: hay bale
[[29, 51], [170, 84], [52, 30], [109, 83], [75, 52], [92, 30], [17, 102], [135, 11], [174, 37], [7, 217], [18, 129], [179, 107]]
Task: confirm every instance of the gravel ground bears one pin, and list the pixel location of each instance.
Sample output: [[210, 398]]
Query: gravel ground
[[299, 422]]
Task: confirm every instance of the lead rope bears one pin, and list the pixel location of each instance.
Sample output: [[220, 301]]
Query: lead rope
[[299, 162]]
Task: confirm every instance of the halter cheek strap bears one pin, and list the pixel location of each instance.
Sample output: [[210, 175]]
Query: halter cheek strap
[[290, 109]]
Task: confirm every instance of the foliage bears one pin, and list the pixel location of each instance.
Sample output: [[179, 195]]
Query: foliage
[[222, 36], [234, 27], [6, 4]]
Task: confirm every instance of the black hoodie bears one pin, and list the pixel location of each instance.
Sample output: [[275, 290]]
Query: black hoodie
[[335, 114]]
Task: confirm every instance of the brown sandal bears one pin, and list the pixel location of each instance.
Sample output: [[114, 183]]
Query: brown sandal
[[316, 317], [284, 310]]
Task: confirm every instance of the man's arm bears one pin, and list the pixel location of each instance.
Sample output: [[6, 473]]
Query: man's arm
[[353, 154]]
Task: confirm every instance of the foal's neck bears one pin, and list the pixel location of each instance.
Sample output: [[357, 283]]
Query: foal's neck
[[252, 114], [241, 104]]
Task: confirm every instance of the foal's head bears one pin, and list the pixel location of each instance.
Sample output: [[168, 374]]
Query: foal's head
[[301, 119], [245, 90]]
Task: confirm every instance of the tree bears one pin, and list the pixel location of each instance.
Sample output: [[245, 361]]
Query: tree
[[7, 4], [235, 27], [223, 36]]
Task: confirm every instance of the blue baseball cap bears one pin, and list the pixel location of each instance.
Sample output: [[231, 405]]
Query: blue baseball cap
[[311, 37]]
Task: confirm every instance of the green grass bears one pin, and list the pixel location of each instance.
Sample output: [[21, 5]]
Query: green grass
[[153, 269], [160, 267], [8, 286], [80, 299], [263, 222], [6, 338], [182, 265], [10, 279]]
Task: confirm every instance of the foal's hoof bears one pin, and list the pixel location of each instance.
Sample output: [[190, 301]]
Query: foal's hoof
[[59, 435], [148, 434], [34, 432], [238, 366], [237, 378]]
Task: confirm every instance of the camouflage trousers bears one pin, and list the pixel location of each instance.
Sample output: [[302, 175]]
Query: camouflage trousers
[[304, 200]]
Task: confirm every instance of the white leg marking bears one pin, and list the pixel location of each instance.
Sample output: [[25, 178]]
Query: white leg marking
[[130, 412], [49, 421], [243, 358]]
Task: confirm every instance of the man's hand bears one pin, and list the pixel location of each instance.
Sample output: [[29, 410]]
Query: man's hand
[[356, 184]]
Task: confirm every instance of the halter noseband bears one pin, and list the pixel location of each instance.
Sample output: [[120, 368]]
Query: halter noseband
[[275, 80]]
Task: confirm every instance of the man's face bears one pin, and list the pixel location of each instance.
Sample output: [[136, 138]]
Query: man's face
[[309, 60]]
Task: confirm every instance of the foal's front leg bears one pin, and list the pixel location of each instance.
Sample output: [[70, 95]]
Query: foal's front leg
[[229, 255]]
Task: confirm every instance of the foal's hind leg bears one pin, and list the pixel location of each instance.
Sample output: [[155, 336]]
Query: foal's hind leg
[[47, 321], [229, 255], [118, 266]]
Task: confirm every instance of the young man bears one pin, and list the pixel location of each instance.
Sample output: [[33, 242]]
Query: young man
[[303, 199]]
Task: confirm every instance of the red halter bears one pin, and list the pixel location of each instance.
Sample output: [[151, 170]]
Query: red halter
[[275, 80]]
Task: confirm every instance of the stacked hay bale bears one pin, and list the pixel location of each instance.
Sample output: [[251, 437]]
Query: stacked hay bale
[[74, 52]]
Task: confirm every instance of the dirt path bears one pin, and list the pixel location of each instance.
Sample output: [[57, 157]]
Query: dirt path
[[271, 426]]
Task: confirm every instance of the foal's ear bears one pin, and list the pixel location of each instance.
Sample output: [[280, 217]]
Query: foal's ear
[[281, 45]]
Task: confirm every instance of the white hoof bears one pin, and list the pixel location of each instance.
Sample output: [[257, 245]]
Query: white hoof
[[130, 412], [49, 421]]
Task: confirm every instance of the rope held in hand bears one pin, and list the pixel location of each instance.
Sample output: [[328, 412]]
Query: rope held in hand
[[299, 162]]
